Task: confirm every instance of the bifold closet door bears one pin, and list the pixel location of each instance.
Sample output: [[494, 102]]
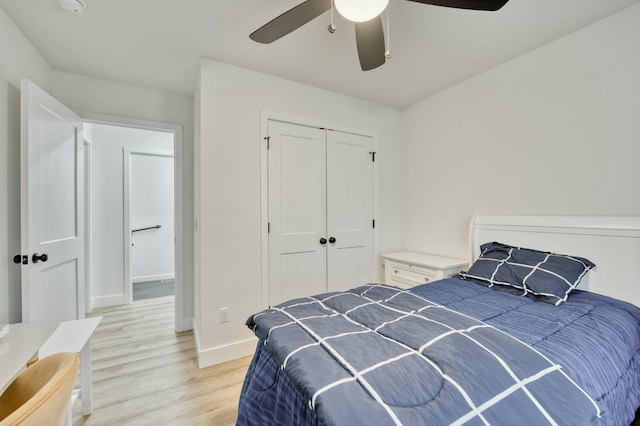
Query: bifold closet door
[[297, 211], [349, 210]]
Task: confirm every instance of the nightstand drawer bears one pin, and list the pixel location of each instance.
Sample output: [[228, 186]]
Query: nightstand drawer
[[407, 269], [403, 283], [411, 273]]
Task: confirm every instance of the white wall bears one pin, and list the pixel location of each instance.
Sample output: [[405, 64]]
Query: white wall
[[555, 131], [94, 96], [18, 59], [107, 220], [151, 204], [228, 110], [197, 243]]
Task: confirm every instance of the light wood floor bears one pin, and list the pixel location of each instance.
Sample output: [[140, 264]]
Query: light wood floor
[[146, 374]]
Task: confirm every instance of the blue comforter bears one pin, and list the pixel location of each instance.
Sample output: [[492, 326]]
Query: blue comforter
[[376, 355]]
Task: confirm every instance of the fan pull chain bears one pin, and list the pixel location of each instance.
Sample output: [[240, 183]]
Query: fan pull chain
[[331, 28], [387, 53]]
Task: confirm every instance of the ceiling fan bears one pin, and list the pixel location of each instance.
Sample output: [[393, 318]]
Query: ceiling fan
[[366, 16]]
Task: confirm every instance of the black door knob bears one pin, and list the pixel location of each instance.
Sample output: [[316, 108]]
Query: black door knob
[[43, 257], [323, 241], [332, 240]]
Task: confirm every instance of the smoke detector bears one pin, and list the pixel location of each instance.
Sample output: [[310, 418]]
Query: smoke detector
[[73, 6]]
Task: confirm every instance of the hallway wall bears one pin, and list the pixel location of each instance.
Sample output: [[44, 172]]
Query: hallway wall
[[107, 242]]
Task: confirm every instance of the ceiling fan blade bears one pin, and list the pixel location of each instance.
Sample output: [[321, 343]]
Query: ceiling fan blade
[[370, 43], [291, 20], [490, 5]]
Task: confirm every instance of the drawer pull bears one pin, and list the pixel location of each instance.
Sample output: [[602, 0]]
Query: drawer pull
[[426, 279], [395, 271]]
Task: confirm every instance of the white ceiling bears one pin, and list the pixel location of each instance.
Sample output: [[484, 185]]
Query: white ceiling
[[158, 43]]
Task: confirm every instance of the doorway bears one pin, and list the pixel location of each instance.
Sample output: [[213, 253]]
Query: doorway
[[119, 146], [149, 267]]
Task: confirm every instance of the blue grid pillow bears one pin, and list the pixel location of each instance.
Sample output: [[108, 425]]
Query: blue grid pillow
[[548, 275]]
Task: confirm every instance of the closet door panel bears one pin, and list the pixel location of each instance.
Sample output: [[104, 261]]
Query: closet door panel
[[349, 210], [297, 211]]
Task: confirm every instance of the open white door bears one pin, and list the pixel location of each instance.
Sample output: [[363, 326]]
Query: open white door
[[52, 208]]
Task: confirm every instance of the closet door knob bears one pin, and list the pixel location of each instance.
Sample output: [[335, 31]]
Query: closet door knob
[[43, 257], [323, 241], [332, 240]]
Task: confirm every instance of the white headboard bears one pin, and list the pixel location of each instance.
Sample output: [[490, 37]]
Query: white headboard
[[612, 243]]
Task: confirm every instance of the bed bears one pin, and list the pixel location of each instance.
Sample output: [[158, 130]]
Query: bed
[[467, 349]]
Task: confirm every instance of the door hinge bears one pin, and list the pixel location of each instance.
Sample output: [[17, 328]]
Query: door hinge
[[374, 223], [268, 139], [268, 227], [373, 156]]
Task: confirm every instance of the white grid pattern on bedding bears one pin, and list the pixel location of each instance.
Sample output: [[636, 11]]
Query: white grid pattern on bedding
[[538, 267], [358, 375], [560, 370], [475, 410]]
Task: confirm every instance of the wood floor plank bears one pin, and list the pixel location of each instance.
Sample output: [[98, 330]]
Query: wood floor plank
[[146, 374]]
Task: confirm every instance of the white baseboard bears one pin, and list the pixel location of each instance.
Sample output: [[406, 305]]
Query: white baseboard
[[218, 355], [153, 278], [104, 301]]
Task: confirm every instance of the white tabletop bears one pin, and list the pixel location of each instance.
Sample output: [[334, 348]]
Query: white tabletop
[[427, 260], [20, 345], [70, 336]]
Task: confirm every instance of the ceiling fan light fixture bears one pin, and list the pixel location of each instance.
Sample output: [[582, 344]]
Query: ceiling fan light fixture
[[360, 10]]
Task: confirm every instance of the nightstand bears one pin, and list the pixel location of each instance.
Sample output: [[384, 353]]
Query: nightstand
[[407, 269]]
